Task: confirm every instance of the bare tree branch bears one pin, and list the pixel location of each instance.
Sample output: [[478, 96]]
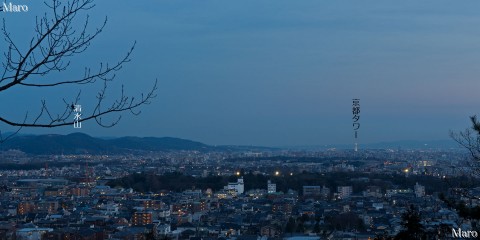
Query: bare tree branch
[[124, 103], [56, 39], [469, 139]]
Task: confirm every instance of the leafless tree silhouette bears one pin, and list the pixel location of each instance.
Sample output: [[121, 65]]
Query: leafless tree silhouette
[[56, 39], [470, 138]]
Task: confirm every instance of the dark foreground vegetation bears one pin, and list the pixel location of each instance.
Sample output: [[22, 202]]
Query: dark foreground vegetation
[[149, 182]]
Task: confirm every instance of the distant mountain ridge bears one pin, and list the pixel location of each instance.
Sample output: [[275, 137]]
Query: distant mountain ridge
[[402, 144], [415, 144], [79, 143]]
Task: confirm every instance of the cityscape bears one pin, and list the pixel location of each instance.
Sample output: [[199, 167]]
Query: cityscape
[[235, 193], [239, 120]]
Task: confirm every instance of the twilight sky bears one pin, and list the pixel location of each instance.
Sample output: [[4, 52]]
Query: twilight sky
[[277, 72]]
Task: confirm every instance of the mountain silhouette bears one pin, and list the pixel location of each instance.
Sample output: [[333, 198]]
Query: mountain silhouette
[[80, 143]]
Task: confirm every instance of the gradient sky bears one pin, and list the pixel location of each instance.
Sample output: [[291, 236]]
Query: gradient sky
[[278, 72]]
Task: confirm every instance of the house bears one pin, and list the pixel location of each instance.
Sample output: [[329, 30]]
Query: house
[[270, 231]]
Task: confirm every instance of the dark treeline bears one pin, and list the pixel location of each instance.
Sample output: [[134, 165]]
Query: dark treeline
[[461, 207], [146, 182], [172, 182]]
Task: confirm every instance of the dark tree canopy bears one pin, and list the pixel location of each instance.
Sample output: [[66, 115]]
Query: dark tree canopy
[[412, 228], [59, 35]]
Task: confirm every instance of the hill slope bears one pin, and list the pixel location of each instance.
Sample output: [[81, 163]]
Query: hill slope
[[78, 143]]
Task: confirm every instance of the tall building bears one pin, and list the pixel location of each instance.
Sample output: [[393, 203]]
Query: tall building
[[79, 191], [238, 186], [199, 206], [271, 187], [325, 192], [312, 190], [419, 190], [141, 218], [26, 207], [48, 206], [344, 191]]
